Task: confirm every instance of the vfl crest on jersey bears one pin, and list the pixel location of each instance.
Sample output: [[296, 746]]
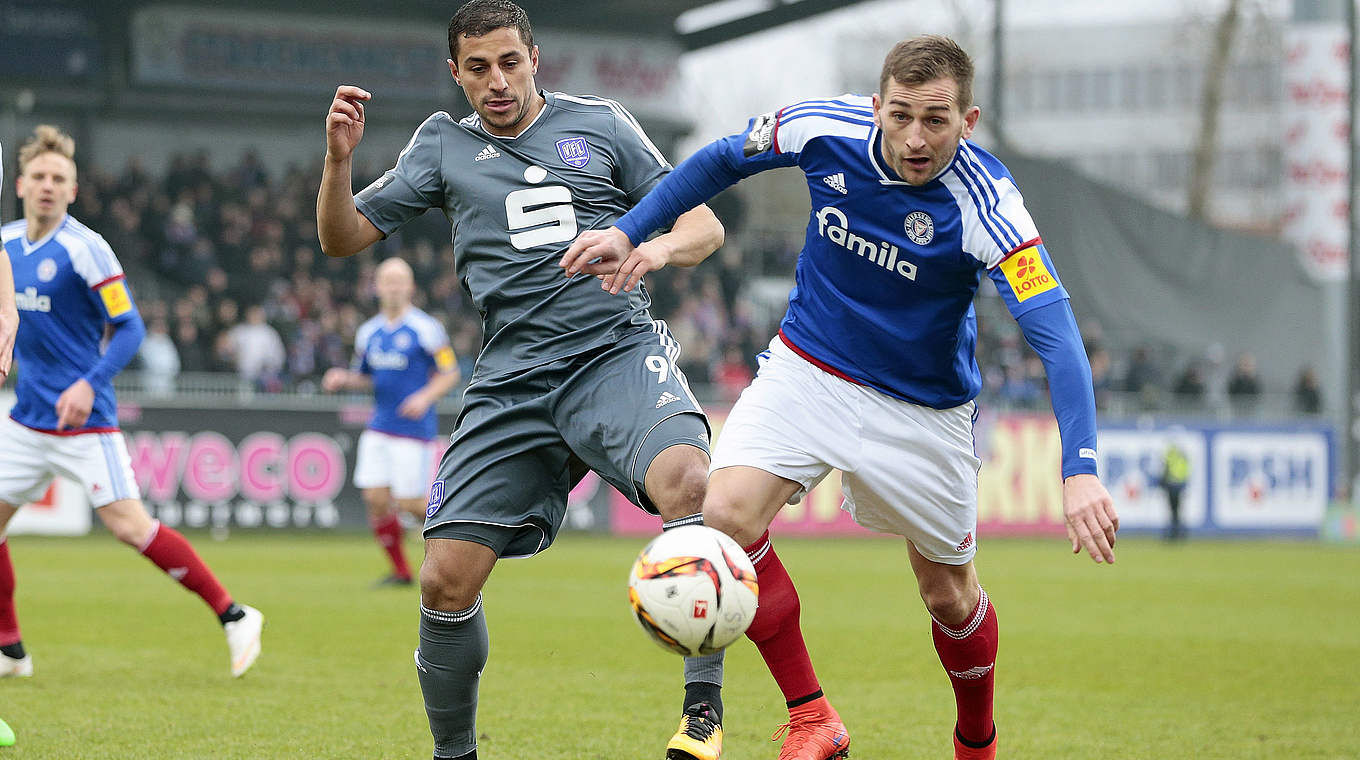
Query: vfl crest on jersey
[[574, 151], [761, 136], [47, 269], [920, 227]]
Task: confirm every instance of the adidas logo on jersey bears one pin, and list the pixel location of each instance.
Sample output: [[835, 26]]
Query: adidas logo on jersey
[[487, 152], [836, 182], [29, 300], [666, 398], [833, 225]]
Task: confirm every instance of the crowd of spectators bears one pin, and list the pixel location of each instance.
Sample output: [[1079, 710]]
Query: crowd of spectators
[[231, 278]]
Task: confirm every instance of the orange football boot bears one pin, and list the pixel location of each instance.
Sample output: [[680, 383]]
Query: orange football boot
[[814, 732]]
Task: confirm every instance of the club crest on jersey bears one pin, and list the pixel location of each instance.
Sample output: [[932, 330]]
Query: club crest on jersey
[[920, 227], [436, 498], [47, 269], [402, 341], [574, 151], [761, 136]]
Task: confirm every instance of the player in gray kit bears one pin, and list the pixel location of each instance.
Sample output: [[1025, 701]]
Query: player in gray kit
[[569, 377]]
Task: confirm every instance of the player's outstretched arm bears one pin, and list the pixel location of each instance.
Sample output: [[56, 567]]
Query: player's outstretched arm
[[610, 255], [341, 379], [342, 230], [9, 315]]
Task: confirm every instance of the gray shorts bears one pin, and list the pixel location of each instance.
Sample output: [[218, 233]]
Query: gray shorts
[[523, 441]]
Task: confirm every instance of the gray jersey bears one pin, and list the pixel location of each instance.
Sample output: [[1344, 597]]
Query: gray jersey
[[515, 205]]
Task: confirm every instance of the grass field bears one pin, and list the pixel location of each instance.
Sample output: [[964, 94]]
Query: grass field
[[1206, 650]]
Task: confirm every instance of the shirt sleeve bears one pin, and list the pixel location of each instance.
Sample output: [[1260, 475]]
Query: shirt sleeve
[[435, 341], [713, 168], [95, 263], [1052, 331], [638, 164], [413, 185], [1027, 279]]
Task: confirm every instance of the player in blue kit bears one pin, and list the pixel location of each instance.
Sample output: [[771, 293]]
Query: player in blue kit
[[873, 371], [403, 355], [9, 313], [70, 287]]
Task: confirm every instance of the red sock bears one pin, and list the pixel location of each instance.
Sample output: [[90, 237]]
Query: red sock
[[968, 654], [775, 629], [388, 532], [9, 619], [171, 552]]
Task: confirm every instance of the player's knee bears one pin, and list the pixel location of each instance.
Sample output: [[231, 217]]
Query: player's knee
[[681, 491], [727, 514], [948, 603], [445, 585]]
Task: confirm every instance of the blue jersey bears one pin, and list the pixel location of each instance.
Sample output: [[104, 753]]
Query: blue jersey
[[885, 282], [400, 357], [68, 285]]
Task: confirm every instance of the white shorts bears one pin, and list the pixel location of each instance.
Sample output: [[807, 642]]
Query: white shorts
[[29, 460], [405, 465], [908, 469]]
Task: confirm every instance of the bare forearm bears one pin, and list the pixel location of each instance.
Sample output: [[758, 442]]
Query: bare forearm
[[338, 223], [697, 233], [440, 384]]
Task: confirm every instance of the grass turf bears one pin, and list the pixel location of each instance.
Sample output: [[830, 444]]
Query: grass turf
[[1202, 650]]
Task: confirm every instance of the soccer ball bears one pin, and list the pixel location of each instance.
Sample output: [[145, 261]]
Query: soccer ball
[[693, 590]]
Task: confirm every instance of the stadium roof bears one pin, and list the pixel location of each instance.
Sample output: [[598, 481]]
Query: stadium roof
[[704, 23]]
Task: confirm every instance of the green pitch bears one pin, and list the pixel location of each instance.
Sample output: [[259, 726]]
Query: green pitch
[[1206, 650]]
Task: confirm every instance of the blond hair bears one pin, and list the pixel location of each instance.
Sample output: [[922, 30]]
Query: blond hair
[[47, 139]]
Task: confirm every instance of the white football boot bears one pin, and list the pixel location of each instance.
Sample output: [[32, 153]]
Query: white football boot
[[20, 668], [243, 639]]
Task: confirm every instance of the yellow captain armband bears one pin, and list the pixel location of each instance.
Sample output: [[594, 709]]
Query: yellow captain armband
[[117, 302]]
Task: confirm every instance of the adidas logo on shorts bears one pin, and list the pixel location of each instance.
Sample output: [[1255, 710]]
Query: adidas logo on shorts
[[666, 398], [487, 152]]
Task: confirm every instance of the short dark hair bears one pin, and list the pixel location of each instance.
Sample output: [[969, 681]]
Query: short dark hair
[[479, 17], [927, 58]]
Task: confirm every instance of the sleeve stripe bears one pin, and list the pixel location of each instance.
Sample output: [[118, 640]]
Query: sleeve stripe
[[88, 242], [1027, 244], [988, 187], [990, 198], [102, 283], [99, 247], [87, 258], [410, 143], [816, 124], [623, 114], [866, 113], [1001, 230], [982, 216]]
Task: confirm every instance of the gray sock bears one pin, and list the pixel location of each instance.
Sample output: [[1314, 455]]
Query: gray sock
[[449, 662]]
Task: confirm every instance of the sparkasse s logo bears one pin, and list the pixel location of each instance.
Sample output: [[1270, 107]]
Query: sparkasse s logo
[[1027, 274]]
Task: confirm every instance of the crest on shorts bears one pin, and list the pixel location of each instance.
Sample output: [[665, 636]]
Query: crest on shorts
[[47, 269], [574, 151], [920, 227], [436, 498]]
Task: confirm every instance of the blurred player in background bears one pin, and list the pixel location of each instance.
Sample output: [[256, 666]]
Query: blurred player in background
[[569, 378], [403, 355], [9, 312], [873, 372], [65, 421]]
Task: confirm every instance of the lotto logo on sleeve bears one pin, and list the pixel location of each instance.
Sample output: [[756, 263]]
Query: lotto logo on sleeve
[[1027, 275], [116, 300]]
